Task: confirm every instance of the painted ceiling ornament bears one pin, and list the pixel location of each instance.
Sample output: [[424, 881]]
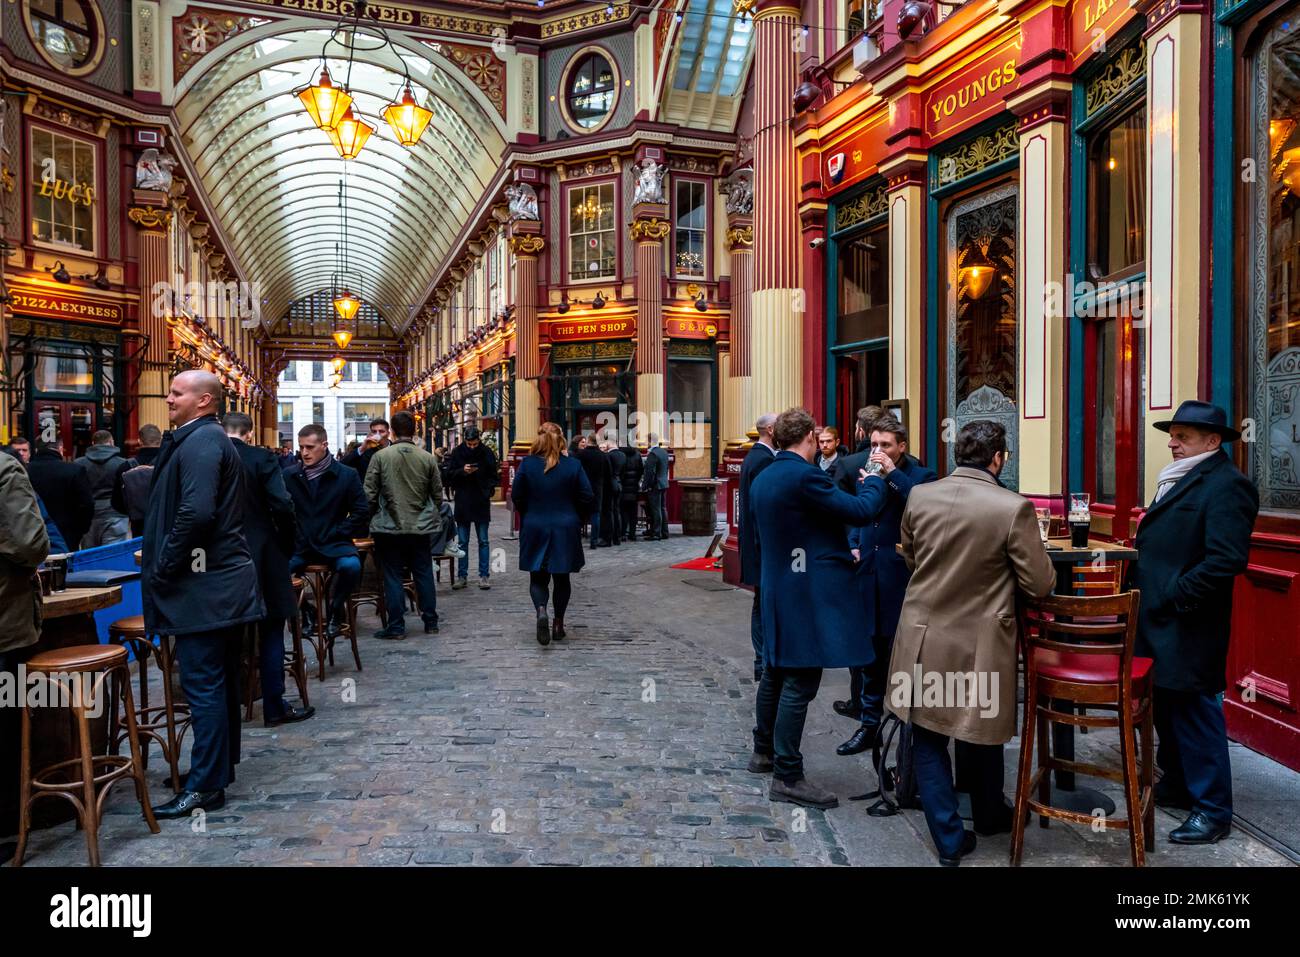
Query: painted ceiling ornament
[[649, 182], [740, 193], [523, 202], [154, 170]]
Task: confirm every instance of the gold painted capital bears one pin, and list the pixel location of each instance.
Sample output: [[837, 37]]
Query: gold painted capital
[[740, 236], [648, 230], [149, 217], [527, 245]]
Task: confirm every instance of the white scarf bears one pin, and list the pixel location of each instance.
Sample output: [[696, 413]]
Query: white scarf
[[1175, 470]]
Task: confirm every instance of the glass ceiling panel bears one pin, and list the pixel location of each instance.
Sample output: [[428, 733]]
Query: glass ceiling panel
[[714, 49], [273, 178]]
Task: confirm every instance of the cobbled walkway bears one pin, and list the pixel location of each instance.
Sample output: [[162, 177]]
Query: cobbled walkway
[[625, 744]]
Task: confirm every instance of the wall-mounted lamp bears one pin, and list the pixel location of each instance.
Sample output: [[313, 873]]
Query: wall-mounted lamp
[[598, 302], [701, 303], [59, 272], [99, 279], [563, 307]]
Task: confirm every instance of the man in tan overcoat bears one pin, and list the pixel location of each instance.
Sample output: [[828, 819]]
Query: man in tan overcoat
[[970, 543]]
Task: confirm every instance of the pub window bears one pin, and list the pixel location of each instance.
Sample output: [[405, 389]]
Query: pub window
[[1270, 273], [63, 191], [1118, 174], [318, 372], [691, 228], [592, 238], [68, 34], [589, 91], [690, 389], [318, 411], [363, 371], [863, 270]]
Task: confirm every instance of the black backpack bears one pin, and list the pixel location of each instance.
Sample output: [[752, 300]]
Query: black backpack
[[898, 779]]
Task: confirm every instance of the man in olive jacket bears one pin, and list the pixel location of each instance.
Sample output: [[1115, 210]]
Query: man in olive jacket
[[970, 544], [404, 490], [198, 581], [1192, 543]]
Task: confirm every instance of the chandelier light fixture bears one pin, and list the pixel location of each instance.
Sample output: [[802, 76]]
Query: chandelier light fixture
[[333, 108]]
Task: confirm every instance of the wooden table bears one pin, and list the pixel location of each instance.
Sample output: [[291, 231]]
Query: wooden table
[[79, 601], [1060, 551]]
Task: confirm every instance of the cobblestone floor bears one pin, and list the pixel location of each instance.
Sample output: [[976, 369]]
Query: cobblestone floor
[[625, 744]]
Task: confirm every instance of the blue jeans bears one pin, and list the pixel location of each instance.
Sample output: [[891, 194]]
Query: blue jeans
[[462, 532], [397, 555], [209, 663], [347, 573], [781, 707]]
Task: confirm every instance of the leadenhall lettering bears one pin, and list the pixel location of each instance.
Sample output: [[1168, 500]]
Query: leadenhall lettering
[[976, 89], [1092, 14]]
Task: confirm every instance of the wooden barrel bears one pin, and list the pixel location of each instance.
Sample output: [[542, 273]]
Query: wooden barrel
[[699, 511]]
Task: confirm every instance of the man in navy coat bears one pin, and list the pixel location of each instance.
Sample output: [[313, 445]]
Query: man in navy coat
[[800, 516], [198, 581], [882, 574], [759, 457], [331, 510], [1192, 542]]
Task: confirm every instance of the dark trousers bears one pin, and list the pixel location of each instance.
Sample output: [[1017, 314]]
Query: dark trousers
[[627, 504], [10, 743], [599, 532], [980, 766], [655, 516], [347, 574], [781, 708], [870, 681], [209, 663], [756, 635], [270, 636], [610, 533], [399, 554], [1193, 750]]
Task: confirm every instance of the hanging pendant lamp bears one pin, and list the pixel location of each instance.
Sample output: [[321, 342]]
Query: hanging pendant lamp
[[326, 103], [407, 118], [350, 135]]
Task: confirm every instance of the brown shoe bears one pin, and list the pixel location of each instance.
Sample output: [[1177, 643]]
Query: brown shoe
[[801, 792], [760, 763]]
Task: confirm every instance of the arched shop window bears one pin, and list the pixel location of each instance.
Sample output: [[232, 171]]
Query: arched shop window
[[589, 89], [68, 34], [1271, 266]]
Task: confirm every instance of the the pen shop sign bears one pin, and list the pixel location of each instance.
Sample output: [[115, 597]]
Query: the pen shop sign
[[65, 306]]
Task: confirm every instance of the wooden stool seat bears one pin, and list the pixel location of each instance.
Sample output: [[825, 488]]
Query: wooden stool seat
[[318, 581], [86, 780], [132, 624], [166, 723], [78, 658], [1079, 651]]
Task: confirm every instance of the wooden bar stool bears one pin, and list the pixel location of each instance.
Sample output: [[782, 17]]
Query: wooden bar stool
[[165, 724], [316, 583], [438, 561], [78, 675], [1093, 666], [365, 596], [294, 664]]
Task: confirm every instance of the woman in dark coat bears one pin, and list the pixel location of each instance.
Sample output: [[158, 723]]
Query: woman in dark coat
[[552, 497]]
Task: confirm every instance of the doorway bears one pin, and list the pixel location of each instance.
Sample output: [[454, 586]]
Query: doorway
[[73, 422], [861, 379]]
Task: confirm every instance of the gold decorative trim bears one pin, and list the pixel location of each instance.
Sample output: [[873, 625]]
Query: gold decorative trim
[[979, 154], [527, 245], [149, 217], [739, 236], [1129, 66], [648, 230], [594, 18], [6, 179], [866, 207]]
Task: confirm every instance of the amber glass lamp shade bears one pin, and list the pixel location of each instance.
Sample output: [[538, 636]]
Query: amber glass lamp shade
[[407, 118], [326, 103], [338, 362], [350, 135], [346, 305], [977, 272]]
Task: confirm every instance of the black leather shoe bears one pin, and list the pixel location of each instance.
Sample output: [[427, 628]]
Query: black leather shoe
[[967, 845], [847, 709], [430, 628], [1169, 797], [862, 739], [334, 628], [557, 630], [760, 764], [391, 633], [543, 630], [1001, 824], [1199, 829], [291, 714], [187, 802]]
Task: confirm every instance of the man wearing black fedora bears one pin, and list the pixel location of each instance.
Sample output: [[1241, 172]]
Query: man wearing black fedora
[[1192, 542]]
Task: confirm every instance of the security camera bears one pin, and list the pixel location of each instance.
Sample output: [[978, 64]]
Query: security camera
[[816, 243]]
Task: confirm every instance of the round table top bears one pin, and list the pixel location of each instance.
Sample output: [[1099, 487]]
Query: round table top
[[79, 601]]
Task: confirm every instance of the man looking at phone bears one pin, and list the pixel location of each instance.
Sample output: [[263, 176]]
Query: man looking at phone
[[472, 475]]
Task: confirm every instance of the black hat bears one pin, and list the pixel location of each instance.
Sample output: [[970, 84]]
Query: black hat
[[1203, 416]]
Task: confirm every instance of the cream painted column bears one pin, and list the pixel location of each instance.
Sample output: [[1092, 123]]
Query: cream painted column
[[527, 244], [778, 300], [1041, 328], [1173, 236], [153, 221], [648, 229], [905, 181], [740, 382]]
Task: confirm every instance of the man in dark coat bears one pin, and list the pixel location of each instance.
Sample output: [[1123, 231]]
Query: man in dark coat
[[629, 482], [655, 485], [611, 515], [359, 458], [64, 489], [845, 473], [133, 478], [330, 507], [471, 471], [800, 516], [599, 476], [101, 464], [271, 530], [759, 457], [1192, 542], [198, 581], [882, 574]]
